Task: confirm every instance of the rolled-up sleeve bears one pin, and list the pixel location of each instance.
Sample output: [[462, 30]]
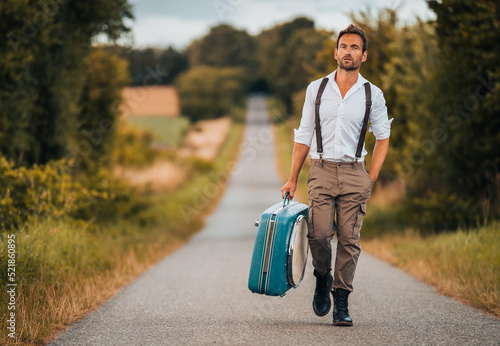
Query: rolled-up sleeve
[[380, 124], [305, 132]]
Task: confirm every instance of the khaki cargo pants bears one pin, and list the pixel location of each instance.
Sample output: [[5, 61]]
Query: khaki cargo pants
[[338, 192]]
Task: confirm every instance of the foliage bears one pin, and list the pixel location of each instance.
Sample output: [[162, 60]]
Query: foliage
[[152, 66], [287, 56], [42, 72], [53, 190], [106, 74], [440, 88], [223, 46], [382, 31], [468, 110], [208, 92], [133, 146]]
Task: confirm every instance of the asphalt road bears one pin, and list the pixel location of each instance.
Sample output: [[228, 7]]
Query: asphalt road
[[199, 295]]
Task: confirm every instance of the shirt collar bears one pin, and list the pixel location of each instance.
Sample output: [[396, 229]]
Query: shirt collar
[[359, 83]]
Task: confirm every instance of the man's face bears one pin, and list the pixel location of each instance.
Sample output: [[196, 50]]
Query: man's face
[[349, 54]]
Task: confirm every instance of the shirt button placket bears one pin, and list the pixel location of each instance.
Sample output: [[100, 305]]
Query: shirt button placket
[[337, 148]]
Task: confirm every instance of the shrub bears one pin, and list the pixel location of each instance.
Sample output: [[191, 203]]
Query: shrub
[[133, 146], [54, 190]]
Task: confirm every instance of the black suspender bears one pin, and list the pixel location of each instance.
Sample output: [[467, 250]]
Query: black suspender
[[319, 139], [368, 97]]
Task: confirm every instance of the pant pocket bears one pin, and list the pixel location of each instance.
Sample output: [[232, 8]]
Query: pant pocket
[[366, 174], [360, 214]]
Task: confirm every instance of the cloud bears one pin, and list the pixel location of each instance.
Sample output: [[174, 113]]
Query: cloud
[[162, 31]]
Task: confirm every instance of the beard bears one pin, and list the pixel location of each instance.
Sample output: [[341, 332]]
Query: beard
[[351, 65]]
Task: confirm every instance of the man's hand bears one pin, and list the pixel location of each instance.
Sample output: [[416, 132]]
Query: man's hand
[[289, 187], [378, 157]]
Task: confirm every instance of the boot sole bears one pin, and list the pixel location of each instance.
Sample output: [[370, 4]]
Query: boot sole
[[343, 324], [322, 315]]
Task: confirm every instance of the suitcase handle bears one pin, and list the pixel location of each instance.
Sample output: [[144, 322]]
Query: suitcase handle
[[286, 200]]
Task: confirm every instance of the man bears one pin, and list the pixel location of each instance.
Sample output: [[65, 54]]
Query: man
[[338, 183]]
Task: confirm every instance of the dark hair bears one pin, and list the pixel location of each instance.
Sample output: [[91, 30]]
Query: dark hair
[[354, 29]]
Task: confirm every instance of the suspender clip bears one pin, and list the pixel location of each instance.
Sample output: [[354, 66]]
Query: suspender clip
[[321, 158]]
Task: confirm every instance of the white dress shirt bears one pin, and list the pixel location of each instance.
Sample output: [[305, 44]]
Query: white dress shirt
[[341, 119]]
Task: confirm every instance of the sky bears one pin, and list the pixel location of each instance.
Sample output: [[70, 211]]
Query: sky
[[163, 23]]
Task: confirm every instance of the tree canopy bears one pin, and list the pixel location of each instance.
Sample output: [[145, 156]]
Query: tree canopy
[[43, 72]]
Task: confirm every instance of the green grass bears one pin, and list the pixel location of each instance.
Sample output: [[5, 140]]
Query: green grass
[[167, 131], [66, 268]]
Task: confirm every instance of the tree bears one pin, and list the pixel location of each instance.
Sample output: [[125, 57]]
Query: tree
[[43, 71], [153, 66], [287, 57], [410, 77], [106, 75], [381, 31], [172, 63], [468, 108], [223, 46], [208, 92]]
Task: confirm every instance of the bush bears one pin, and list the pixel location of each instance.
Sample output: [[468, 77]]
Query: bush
[[133, 146], [440, 211], [54, 190]]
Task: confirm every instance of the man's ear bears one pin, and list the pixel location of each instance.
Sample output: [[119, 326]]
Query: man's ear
[[335, 53], [365, 55]]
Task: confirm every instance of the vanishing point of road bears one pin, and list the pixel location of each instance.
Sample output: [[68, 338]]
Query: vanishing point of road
[[199, 296]]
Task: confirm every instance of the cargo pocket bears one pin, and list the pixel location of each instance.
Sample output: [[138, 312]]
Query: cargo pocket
[[310, 232], [360, 214]]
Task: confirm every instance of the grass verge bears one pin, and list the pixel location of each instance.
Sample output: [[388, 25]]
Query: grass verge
[[65, 269], [464, 265]]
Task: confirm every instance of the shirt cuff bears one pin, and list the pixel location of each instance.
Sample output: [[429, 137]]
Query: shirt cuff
[[381, 131], [301, 138]]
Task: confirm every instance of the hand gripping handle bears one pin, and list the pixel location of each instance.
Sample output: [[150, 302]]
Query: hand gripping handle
[[286, 200]]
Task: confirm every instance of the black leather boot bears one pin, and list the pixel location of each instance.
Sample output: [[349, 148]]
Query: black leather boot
[[322, 302], [340, 312]]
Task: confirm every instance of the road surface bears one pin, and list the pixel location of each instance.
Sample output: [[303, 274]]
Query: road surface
[[199, 295]]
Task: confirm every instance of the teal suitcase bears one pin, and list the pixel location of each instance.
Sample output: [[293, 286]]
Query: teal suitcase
[[280, 251]]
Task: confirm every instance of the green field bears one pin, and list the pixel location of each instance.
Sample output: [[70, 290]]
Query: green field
[[167, 131]]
